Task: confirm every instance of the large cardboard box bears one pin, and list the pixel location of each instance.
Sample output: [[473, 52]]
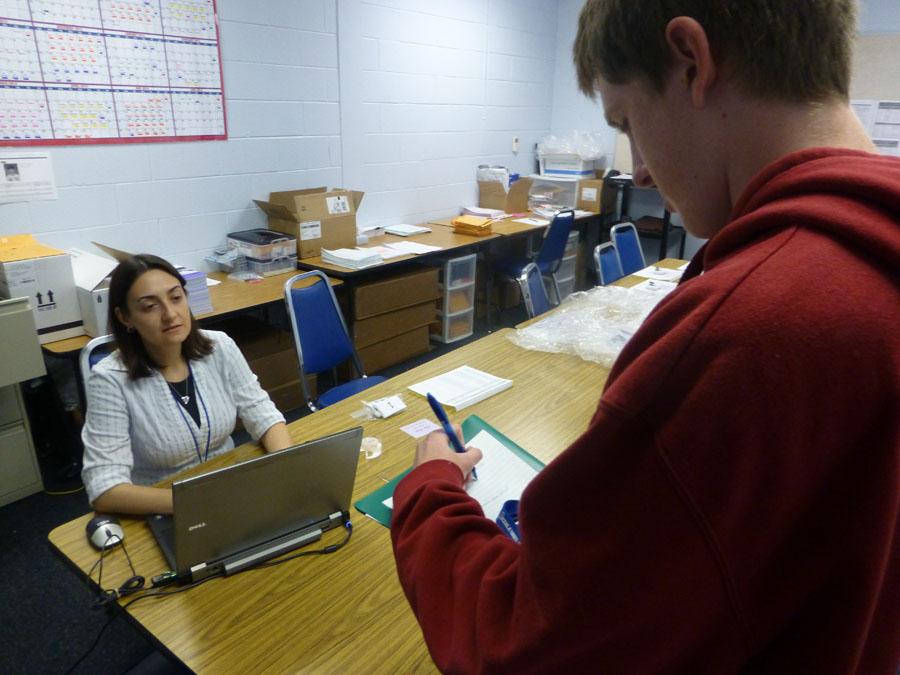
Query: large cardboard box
[[318, 218], [492, 195], [396, 292], [91, 274], [390, 324], [43, 275], [394, 350], [590, 195]]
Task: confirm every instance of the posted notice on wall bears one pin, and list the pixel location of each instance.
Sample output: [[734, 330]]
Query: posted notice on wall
[[27, 178]]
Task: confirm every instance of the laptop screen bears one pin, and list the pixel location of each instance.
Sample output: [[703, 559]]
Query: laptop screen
[[228, 511]]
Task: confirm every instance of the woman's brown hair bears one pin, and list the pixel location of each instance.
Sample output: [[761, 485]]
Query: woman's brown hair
[[134, 355]]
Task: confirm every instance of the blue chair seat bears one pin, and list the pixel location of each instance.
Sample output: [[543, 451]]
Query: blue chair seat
[[347, 389]]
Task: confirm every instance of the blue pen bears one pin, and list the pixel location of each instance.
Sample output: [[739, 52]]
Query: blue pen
[[455, 443]]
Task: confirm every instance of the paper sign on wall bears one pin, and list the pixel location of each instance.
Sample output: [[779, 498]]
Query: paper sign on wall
[[27, 178]]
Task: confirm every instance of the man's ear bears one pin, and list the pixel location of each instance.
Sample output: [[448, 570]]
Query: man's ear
[[694, 64]]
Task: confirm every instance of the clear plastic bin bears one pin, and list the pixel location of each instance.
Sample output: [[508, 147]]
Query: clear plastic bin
[[566, 268], [552, 193], [458, 271], [566, 287], [263, 245], [453, 327], [459, 299], [566, 165], [267, 268]]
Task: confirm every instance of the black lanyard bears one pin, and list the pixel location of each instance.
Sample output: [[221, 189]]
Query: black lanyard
[[187, 423]]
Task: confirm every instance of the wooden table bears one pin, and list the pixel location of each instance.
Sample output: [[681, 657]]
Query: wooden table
[[227, 297], [345, 613], [449, 241]]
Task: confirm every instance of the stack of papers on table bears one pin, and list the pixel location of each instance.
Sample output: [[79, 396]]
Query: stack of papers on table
[[483, 212], [473, 225], [462, 387], [197, 290], [354, 258], [406, 230], [411, 248]]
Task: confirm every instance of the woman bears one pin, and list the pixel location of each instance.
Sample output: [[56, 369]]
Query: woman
[[167, 399]]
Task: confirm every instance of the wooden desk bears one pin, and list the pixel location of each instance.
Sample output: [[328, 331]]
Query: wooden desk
[[449, 241], [344, 613], [227, 297]]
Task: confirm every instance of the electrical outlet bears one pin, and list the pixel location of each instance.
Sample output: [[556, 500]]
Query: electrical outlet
[[515, 144]]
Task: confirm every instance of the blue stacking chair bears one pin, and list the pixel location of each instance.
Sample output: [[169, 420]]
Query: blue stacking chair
[[93, 353], [547, 259], [624, 237], [606, 263], [321, 339], [533, 292]]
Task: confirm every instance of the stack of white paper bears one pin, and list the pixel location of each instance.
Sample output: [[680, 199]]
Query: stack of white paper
[[482, 211], [385, 252], [354, 258], [406, 230], [412, 248], [197, 290], [462, 387]]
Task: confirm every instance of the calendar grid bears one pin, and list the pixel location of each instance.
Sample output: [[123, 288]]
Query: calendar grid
[[110, 71]]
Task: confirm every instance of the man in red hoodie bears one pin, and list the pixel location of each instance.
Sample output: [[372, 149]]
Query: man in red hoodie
[[740, 480]]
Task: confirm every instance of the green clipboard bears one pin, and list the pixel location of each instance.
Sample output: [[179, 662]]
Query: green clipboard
[[372, 504]]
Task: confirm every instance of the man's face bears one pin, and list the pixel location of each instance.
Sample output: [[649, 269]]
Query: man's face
[[671, 150]]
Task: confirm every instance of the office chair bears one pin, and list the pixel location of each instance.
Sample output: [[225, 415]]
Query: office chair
[[533, 292], [547, 259], [93, 353], [321, 339], [625, 238], [606, 263]]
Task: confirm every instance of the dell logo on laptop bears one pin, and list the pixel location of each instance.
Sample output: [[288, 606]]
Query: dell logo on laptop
[[197, 526]]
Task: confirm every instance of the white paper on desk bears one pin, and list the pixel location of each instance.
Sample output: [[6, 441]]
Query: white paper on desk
[[655, 286], [212, 282], [531, 221], [659, 273], [682, 268], [502, 475], [385, 252], [27, 177], [403, 230], [462, 387], [412, 247], [421, 428], [581, 213]]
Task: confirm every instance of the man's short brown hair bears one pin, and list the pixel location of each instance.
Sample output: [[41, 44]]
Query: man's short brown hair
[[791, 50]]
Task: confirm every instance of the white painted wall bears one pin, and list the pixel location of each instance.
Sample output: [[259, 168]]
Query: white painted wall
[[430, 89], [879, 16], [572, 110], [179, 200]]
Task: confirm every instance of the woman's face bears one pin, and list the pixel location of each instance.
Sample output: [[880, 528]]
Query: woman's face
[[157, 309]]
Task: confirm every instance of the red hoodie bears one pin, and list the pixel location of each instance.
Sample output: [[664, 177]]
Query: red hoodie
[[741, 473]]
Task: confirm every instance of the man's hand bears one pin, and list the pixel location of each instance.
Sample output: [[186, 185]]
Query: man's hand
[[436, 446]]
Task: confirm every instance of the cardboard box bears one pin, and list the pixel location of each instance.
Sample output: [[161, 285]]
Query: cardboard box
[[590, 195], [390, 324], [394, 350], [43, 275], [492, 195], [91, 274], [316, 217], [395, 293]]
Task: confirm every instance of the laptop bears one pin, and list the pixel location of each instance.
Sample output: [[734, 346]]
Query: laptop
[[239, 516]]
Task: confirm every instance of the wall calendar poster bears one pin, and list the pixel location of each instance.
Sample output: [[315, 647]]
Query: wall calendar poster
[[109, 71]]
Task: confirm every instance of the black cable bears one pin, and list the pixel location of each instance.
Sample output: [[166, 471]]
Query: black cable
[[181, 589]]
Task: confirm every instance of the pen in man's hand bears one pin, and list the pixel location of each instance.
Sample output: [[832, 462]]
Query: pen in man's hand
[[455, 443]]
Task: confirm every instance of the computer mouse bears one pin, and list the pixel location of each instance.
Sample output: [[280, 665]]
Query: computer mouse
[[104, 531]]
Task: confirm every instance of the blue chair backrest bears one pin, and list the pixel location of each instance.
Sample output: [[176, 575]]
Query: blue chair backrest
[[533, 292], [551, 253], [319, 329], [607, 262], [628, 245], [93, 353]]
